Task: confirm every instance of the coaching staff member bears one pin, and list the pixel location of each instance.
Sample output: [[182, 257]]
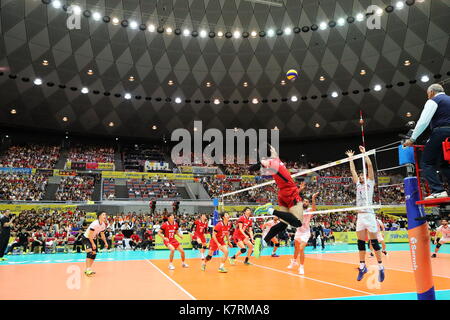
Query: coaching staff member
[[436, 113]]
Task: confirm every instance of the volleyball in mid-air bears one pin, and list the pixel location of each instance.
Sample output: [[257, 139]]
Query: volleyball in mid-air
[[292, 74]]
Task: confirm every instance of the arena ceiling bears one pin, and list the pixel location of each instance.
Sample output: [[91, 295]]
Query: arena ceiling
[[170, 41]]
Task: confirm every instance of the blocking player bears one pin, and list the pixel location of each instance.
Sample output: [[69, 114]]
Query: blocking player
[[89, 238], [243, 236], [198, 233], [167, 232], [366, 222], [221, 231], [444, 230]]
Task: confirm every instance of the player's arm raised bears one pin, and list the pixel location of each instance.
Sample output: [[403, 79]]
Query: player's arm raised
[[368, 163], [350, 154], [313, 205]]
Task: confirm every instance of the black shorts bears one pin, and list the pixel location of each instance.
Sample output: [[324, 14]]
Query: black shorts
[[87, 243]]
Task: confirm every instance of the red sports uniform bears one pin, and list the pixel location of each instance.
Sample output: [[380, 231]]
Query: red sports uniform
[[222, 231], [169, 232], [288, 193], [238, 235], [199, 232]]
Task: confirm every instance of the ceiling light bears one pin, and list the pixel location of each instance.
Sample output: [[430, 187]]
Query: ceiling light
[[84, 90], [186, 32], [65, 119], [203, 34], [287, 31], [283, 82], [151, 28], [276, 128], [379, 12], [317, 125], [323, 25], [220, 34], [76, 10], [408, 115], [90, 72], [236, 34], [255, 101], [13, 111], [425, 78], [111, 124], [127, 96], [254, 34], [359, 17], [377, 87], [407, 63], [177, 100], [362, 72], [245, 84], [169, 30], [131, 78], [322, 78], [195, 129], [334, 94], [216, 101], [45, 63], [341, 22], [96, 16], [399, 5], [294, 99], [170, 83], [37, 81], [56, 4], [115, 21], [208, 84], [154, 127], [270, 33], [133, 25]]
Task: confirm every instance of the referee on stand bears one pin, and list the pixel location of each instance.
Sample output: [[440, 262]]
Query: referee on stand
[[436, 113]]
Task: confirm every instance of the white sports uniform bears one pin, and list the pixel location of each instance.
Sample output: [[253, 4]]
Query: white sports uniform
[[366, 218], [445, 234], [96, 228], [304, 233], [380, 231]]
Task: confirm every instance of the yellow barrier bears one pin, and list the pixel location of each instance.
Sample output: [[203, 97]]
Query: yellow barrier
[[145, 175], [16, 208], [389, 236], [186, 243]]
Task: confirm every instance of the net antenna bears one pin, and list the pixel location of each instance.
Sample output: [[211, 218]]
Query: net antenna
[[275, 3]]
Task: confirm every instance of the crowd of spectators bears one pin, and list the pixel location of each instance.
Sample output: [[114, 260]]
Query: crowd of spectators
[[86, 153], [30, 156], [154, 188], [78, 188], [140, 157], [21, 186]]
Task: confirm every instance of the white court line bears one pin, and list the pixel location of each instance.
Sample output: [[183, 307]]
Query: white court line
[[383, 294], [171, 280], [396, 269], [317, 280]]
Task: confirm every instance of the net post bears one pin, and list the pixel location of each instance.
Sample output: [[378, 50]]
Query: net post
[[419, 242]]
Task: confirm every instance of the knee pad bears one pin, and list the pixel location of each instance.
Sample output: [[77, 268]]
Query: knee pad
[[91, 255], [243, 250], [361, 245], [276, 245], [438, 245], [205, 247], [208, 258], [375, 244]]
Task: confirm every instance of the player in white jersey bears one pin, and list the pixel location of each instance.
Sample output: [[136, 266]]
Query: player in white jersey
[[444, 230], [303, 234], [366, 222], [95, 228], [380, 237], [266, 227]]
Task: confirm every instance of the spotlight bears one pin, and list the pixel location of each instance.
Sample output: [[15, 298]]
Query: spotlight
[[37, 81], [177, 100], [151, 28], [65, 119], [425, 78], [96, 16], [270, 33], [255, 101], [13, 111], [170, 83], [322, 78], [131, 78], [283, 82], [76, 10], [115, 21], [111, 124], [379, 12], [359, 17], [127, 96], [377, 87], [84, 90], [254, 34], [45, 63], [90, 72], [203, 33], [399, 5], [133, 25], [154, 127], [362, 72], [236, 34], [407, 63], [294, 99], [220, 34], [334, 94], [169, 30], [186, 32], [216, 101], [245, 84], [287, 31], [56, 4], [408, 115], [323, 25], [317, 125]]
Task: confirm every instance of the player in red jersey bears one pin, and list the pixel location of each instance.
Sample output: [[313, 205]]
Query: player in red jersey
[[199, 228], [243, 236], [167, 232], [289, 200], [221, 231]]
